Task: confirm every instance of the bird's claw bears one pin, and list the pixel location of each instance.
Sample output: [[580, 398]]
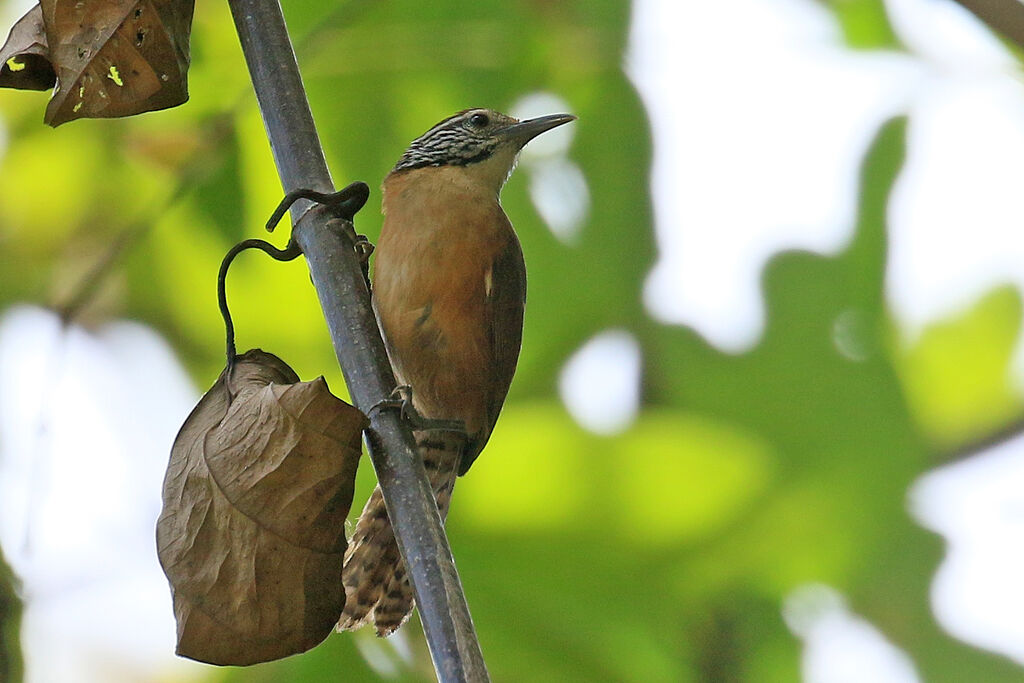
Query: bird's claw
[[401, 400], [364, 248]]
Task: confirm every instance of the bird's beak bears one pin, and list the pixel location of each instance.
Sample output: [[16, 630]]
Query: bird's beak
[[524, 131]]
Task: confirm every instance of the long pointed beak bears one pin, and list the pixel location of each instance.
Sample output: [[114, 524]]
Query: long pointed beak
[[524, 131]]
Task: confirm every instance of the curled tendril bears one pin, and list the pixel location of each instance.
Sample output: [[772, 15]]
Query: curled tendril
[[290, 252], [344, 203]]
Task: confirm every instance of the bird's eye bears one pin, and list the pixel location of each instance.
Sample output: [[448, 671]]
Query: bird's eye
[[479, 120]]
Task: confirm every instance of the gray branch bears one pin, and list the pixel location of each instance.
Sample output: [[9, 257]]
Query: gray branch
[[328, 244]]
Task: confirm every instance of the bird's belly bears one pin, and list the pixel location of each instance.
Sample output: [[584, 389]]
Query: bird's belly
[[437, 340]]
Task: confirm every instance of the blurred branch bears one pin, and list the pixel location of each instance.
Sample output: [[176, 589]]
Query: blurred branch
[[10, 625], [1007, 433], [329, 244], [70, 307], [1005, 17]]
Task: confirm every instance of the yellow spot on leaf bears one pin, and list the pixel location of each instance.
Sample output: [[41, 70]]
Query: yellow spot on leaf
[[14, 65], [81, 91], [76, 107], [114, 76]]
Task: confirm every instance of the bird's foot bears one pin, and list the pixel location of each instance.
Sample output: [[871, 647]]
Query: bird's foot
[[401, 400], [364, 248]]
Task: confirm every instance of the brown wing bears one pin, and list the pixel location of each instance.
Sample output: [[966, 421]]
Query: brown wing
[[506, 301]]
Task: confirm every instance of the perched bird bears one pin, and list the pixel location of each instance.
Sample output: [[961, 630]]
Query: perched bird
[[449, 289]]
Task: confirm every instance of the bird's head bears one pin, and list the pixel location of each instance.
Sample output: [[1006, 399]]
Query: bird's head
[[485, 142]]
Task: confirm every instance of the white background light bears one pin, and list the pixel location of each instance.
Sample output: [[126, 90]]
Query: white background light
[[600, 384], [86, 423]]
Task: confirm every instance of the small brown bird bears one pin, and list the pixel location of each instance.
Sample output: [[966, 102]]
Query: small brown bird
[[449, 289]]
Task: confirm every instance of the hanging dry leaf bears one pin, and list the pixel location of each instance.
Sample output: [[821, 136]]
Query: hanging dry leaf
[[25, 58], [251, 535], [116, 57]]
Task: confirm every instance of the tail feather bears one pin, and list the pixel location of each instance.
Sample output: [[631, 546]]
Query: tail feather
[[396, 602], [377, 587], [370, 553]]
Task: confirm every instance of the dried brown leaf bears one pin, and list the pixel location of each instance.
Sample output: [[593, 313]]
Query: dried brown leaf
[[251, 536], [25, 58], [117, 57]]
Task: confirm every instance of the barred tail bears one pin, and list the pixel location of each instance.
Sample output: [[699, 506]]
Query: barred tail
[[377, 587]]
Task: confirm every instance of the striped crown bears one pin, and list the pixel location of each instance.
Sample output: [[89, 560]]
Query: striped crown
[[465, 138]]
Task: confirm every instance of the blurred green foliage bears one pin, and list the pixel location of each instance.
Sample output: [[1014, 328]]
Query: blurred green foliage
[[10, 624], [958, 375], [660, 554], [864, 23]]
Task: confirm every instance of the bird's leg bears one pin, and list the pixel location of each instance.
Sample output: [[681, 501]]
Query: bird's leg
[[401, 400]]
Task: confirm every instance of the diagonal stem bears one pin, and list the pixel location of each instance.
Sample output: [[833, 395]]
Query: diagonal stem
[[1005, 17], [329, 245]]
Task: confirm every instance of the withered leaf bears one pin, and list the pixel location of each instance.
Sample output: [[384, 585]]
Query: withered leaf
[[25, 58], [251, 535], [117, 57]]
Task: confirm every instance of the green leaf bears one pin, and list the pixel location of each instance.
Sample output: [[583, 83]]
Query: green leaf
[[865, 24], [958, 374]]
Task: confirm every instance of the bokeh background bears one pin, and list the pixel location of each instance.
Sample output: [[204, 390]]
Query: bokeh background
[[763, 427]]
